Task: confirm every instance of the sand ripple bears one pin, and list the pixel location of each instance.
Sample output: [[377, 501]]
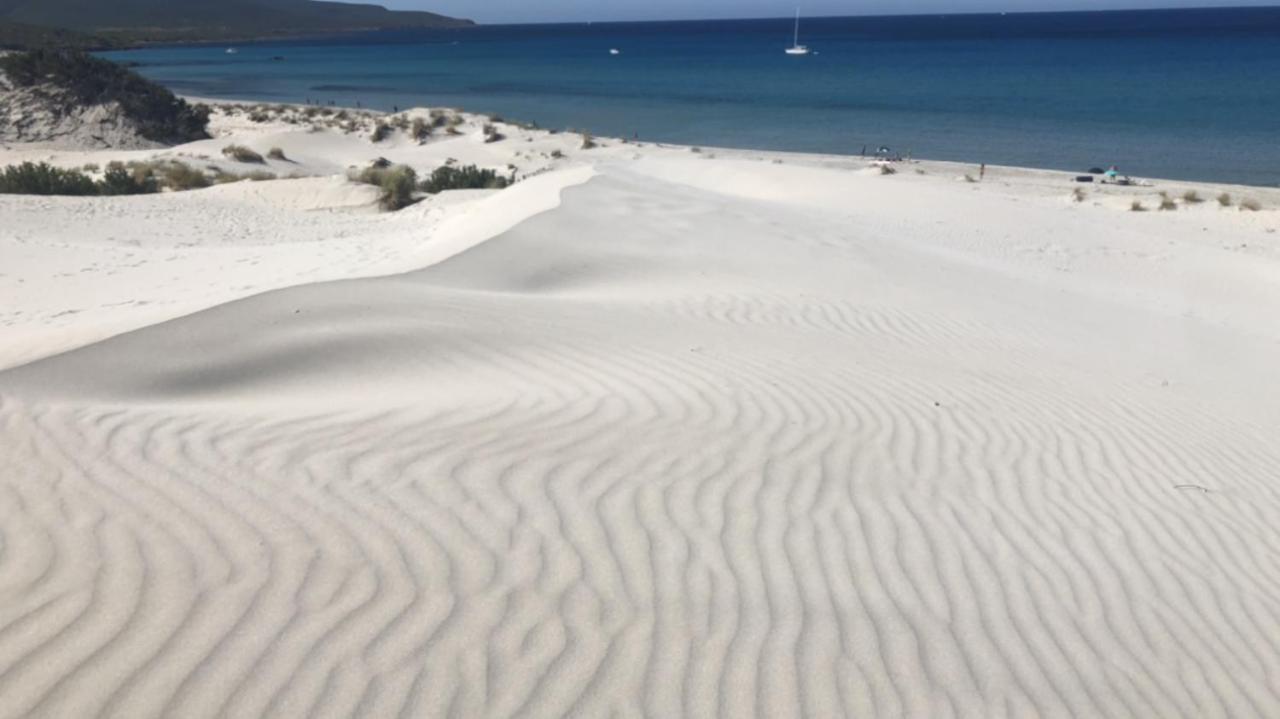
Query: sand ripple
[[598, 468]]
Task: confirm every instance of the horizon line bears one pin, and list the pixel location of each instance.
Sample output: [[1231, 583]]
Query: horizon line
[[886, 15]]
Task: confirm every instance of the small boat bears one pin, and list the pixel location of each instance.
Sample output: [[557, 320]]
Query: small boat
[[615, 51], [232, 51], [796, 48]]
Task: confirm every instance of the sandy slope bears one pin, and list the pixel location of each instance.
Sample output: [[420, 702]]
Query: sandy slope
[[696, 437]]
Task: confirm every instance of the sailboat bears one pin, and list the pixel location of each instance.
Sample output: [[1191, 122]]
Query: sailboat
[[796, 48]]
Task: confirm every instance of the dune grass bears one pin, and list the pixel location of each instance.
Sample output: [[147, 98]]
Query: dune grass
[[398, 184], [240, 153], [468, 177]]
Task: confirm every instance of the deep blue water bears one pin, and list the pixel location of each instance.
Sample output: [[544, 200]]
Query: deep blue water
[[1189, 94]]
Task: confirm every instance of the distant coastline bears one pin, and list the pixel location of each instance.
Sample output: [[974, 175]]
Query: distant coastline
[[1178, 94]]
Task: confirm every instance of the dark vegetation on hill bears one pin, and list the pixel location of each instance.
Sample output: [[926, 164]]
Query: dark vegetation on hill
[[17, 36], [76, 77], [139, 21]]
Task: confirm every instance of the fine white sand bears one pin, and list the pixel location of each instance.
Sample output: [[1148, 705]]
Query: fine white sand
[[654, 432]]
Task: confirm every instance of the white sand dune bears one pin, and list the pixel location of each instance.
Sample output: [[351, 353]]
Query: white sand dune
[[686, 437]]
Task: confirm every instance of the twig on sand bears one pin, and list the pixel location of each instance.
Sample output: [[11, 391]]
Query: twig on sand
[[1191, 486]]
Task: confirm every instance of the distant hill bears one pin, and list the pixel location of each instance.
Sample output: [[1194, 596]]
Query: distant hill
[[144, 20], [18, 36], [67, 98]]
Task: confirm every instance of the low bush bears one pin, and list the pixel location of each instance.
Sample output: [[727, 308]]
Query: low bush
[[1137, 206], [1250, 205], [1167, 203], [888, 170], [226, 178], [1191, 197], [44, 179], [277, 154], [240, 153], [491, 134], [420, 130], [1078, 194], [398, 184], [118, 180], [588, 141], [179, 176], [1224, 200], [469, 177], [381, 131]]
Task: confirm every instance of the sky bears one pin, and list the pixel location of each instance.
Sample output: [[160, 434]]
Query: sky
[[529, 11]]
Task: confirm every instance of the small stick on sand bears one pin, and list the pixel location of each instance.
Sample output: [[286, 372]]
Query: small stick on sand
[[1191, 486]]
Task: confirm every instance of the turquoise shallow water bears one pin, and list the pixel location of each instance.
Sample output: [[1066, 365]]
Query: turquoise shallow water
[[1179, 94]]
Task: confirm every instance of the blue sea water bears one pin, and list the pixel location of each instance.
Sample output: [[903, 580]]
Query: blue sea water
[[1191, 94]]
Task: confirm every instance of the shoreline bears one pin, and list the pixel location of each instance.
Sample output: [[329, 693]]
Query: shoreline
[[763, 150]]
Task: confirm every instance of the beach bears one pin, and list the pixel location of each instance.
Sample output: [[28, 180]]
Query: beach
[[655, 431]]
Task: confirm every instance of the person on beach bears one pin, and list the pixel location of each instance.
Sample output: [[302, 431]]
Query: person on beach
[[982, 172]]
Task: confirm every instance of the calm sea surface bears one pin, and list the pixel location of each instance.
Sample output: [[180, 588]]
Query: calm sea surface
[[1189, 94]]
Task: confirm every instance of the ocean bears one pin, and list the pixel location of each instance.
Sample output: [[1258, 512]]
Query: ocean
[[1185, 94]]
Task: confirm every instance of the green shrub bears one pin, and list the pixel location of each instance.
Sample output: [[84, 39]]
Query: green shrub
[[421, 130], [1191, 197], [491, 134], [1224, 200], [463, 178], [398, 184], [277, 154], [179, 176], [44, 179], [119, 181], [240, 153], [158, 113], [381, 131]]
